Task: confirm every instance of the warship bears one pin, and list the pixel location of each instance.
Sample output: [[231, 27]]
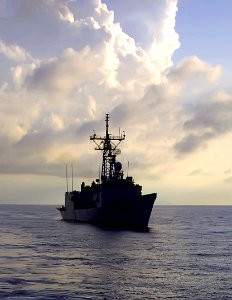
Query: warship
[[111, 200]]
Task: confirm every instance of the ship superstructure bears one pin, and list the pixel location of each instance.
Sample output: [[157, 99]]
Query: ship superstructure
[[112, 199], [108, 144]]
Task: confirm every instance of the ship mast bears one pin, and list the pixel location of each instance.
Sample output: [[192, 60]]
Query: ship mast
[[108, 145]]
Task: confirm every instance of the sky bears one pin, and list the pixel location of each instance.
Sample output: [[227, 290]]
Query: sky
[[160, 68]]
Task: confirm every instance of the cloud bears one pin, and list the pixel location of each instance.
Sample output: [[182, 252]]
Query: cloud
[[228, 171], [191, 142], [56, 74], [67, 63], [14, 53], [228, 180], [194, 68], [151, 24], [215, 116], [206, 120], [35, 25], [198, 172]]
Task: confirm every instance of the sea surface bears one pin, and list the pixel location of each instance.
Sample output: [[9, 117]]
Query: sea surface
[[186, 254]]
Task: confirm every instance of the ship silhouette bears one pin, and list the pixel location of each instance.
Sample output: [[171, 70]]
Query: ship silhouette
[[110, 200]]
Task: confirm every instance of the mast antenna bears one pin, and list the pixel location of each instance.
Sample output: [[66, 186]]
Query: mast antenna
[[128, 166], [108, 145], [72, 177], [67, 177]]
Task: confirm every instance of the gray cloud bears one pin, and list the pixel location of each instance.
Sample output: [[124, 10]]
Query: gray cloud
[[50, 26], [197, 172], [191, 142], [56, 75], [228, 180], [207, 121], [228, 171], [215, 115]]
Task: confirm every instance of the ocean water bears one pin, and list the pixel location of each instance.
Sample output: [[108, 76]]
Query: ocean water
[[187, 254]]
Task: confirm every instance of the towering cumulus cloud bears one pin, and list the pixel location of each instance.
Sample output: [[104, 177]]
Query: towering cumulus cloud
[[65, 63]]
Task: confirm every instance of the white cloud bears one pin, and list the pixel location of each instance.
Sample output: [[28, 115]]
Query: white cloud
[[85, 66], [64, 74], [194, 68], [167, 40], [14, 52]]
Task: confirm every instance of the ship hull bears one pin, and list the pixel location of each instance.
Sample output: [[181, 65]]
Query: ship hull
[[135, 215]]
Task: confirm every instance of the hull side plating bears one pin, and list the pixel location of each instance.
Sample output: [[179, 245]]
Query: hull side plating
[[135, 213]]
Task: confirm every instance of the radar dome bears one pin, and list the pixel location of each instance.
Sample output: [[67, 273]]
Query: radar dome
[[118, 166]]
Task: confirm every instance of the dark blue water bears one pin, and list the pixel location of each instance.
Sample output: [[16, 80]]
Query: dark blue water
[[187, 254]]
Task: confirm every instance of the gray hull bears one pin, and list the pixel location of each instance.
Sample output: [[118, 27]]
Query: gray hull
[[137, 214]]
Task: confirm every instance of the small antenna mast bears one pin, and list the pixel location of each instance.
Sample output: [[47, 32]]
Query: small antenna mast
[[67, 177], [128, 166], [72, 177]]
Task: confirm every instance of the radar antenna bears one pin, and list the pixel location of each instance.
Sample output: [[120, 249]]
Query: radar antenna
[[108, 145]]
